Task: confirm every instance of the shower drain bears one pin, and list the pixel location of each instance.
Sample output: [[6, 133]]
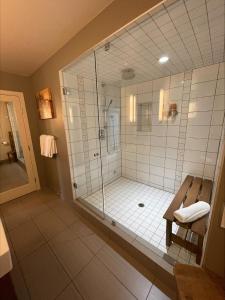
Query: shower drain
[[141, 204]]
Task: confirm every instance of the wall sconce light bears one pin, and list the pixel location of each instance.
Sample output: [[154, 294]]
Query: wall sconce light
[[71, 115], [45, 104], [132, 108], [46, 94], [161, 105]]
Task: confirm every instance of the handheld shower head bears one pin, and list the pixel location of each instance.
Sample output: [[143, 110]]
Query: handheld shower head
[[110, 102], [107, 108]]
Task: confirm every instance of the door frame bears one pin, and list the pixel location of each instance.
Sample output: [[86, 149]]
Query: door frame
[[33, 180]]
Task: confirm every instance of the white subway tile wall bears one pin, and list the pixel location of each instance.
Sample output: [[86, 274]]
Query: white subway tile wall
[[161, 157], [189, 32], [176, 147]]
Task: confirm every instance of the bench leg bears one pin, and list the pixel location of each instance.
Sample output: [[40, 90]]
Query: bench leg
[[199, 253], [168, 233]]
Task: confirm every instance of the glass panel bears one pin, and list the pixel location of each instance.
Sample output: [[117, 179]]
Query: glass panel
[[12, 164], [110, 126], [158, 106], [82, 119]]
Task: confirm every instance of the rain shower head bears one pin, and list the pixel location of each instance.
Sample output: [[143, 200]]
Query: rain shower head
[[128, 74]]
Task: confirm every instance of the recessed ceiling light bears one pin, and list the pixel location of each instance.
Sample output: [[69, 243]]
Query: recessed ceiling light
[[163, 59]]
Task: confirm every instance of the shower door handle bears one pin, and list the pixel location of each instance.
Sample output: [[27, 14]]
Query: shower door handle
[[101, 134]]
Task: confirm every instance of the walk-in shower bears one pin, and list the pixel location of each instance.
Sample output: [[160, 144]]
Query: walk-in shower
[[137, 124]]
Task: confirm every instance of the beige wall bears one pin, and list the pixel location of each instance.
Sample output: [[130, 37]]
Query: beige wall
[[23, 84], [115, 16]]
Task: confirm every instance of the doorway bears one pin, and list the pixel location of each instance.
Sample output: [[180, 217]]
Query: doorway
[[18, 171]]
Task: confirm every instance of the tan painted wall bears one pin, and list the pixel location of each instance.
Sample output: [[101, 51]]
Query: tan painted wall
[[115, 16], [23, 84]]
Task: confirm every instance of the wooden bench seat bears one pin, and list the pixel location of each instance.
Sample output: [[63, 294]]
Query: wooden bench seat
[[197, 283], [192, 190]]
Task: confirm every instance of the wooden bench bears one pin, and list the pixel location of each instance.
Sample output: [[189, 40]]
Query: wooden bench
[[192, 190], [198, 283]]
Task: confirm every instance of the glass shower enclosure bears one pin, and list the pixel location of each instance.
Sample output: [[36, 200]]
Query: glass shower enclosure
[[92, 111], [136, 127]]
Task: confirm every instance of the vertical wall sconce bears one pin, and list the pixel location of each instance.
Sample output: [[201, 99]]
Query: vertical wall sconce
[[71, 115], [161, 104], [132, 108]]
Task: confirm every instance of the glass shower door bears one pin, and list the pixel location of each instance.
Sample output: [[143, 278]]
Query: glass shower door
[[81, 110], [109, 94]]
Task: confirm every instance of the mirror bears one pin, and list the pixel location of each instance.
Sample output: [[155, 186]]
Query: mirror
[[12, 165]]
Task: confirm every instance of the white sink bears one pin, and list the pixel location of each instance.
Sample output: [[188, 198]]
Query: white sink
[[5, 256]]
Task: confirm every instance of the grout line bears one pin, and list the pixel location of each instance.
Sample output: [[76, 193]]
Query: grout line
[[210, 36], [214, 96], [178, 33], [167, 39], [19, 266], [115, 276], [149, 291]]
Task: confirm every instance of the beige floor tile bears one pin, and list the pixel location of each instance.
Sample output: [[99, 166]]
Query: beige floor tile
[[167, 290], [62, 237], [80, 229], [44, 275], [96, 282], [49, 224], [70, 293], [19, 283], [11, 207], [34, 208], [127, 274], [93, 242], [16, 219], [35, 197], [157, 294], [52, 201], [43, 196], [26, 238], [107, 276], [66, 213], [71, 252]]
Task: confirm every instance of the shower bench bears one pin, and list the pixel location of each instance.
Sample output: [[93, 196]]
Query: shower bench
[[192, 190]]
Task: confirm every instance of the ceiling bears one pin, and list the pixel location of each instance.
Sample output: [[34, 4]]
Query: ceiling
[[189, 32], [31, 31]]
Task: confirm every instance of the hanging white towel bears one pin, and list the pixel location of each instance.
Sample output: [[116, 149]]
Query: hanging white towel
[[192, 212], [48, 145]]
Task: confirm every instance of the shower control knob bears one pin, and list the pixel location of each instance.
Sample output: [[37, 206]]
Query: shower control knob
[[96, 154]]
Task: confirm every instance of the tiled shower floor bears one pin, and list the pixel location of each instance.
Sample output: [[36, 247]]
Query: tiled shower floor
[[121, 204]]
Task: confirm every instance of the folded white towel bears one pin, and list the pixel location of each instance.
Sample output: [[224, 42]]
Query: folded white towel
[[48, 145], [193, 212]]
